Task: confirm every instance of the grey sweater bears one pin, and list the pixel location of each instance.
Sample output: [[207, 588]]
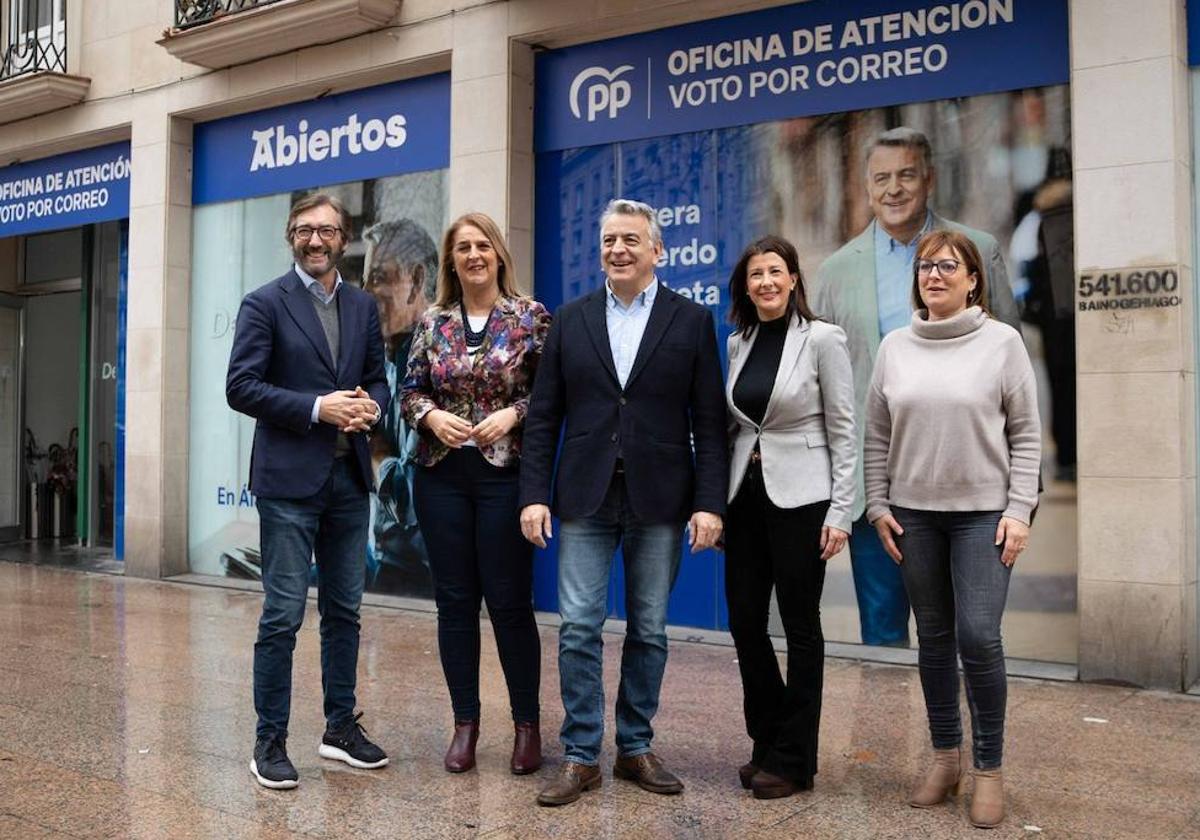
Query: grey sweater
[[951, 419]]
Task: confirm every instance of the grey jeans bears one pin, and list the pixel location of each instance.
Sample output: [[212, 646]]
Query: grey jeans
[[957, 586]]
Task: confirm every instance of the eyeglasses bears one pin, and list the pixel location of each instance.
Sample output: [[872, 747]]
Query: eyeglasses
[[326, 232], [944, 267]]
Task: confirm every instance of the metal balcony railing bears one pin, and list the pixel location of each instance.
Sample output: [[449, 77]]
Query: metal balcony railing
[[190, 13], [34, 52]]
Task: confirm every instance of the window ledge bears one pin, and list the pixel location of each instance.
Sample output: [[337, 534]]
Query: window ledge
[[276, 28], [37, 93]]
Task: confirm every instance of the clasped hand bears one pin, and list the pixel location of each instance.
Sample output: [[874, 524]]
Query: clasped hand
[[350, 411], [454, 431]]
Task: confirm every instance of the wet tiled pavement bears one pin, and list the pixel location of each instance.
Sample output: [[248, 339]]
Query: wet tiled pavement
[[125, 712]]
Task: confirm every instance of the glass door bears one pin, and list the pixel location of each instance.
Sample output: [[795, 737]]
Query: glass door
[[102, 447], [11, 348]]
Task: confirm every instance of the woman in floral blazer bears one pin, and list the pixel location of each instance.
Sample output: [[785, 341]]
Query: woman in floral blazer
[[470, 371]]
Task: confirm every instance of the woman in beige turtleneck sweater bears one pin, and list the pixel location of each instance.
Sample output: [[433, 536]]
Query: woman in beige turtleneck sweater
[[953, 448]]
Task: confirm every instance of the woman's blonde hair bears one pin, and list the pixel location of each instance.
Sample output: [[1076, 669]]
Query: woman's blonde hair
[[449, 289]]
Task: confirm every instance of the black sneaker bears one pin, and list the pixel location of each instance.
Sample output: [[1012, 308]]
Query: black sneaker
[[271, 766], [350, 744]]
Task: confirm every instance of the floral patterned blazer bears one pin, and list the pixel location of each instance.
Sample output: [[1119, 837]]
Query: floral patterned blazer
[[441, 373]]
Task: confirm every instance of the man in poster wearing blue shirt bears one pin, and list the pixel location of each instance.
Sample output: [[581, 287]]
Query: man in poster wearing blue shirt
[[865, 287]]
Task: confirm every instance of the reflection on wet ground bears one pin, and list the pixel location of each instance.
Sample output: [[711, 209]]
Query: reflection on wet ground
[[125, 712]]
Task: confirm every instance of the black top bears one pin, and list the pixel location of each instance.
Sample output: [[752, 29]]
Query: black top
[[752, 391]]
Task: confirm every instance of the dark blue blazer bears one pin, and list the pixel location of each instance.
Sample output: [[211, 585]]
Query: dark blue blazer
[[668, 422], [281, 362]]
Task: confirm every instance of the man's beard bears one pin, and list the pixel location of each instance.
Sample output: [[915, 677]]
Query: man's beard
[[328, 254]]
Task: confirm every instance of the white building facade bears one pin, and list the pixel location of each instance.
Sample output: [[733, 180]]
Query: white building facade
[[149, 151]]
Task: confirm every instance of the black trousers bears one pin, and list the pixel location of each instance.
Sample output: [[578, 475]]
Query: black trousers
[[765, 547], [467, 510]]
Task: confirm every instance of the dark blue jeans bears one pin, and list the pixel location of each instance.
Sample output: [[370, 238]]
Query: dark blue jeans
[[958, 588], [585, 555], [332, 525], [879, 589], [468, 513]]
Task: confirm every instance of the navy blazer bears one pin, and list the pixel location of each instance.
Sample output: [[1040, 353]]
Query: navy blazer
[[668, 422], [281, 362]]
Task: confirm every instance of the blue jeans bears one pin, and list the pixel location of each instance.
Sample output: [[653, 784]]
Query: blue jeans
[[879, 588], [468, 512], [585, 556], [958, 588], [332, 524]]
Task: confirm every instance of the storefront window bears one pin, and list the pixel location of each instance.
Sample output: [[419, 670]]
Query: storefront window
[[397, 222], [67, 216], [627, 118], [106, 366], [249, 171]]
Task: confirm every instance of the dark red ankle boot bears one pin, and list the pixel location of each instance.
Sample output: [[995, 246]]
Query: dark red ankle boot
[[460, 756], [527, 749]]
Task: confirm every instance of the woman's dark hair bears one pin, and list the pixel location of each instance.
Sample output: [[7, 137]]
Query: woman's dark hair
[[742, 313]]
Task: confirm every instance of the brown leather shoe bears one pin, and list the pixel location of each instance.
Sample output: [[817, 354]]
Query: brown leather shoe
[[648, 772], [769, 786], [572, 780], [746, 773], [460, 755], [527, 749]]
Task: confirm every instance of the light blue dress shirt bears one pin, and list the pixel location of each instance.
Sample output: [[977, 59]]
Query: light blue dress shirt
[[314, 285], [626, 325], [318, 291], [893, 277]]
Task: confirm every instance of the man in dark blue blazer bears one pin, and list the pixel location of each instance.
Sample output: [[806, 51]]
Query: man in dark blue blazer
[[307, 364], [631, 378]]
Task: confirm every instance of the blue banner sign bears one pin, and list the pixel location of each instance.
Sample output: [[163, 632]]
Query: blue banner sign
[[818, 57], [385, 130], [1193, 33], [65, 191]]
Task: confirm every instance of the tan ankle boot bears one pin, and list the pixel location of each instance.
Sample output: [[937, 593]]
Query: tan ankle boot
[[944, 778], [987, 800]]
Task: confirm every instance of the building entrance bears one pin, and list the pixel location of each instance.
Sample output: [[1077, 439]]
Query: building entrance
[[61, 349]]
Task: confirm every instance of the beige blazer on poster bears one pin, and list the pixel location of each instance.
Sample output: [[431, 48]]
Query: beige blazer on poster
[[808, 439]]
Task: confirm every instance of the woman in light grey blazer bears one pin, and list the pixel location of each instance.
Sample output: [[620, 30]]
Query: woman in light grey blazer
[[791, 489]]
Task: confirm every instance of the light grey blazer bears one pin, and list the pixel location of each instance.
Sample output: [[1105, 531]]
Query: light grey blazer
[[808, 440]]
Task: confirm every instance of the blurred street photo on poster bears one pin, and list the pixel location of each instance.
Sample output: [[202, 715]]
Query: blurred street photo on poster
[[996, 165], [393, 256]]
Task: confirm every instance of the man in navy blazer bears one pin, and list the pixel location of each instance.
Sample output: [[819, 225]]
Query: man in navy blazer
[[307, 364], [631, 378]]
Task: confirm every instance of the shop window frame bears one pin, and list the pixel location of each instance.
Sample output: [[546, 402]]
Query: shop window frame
[[47, 287]]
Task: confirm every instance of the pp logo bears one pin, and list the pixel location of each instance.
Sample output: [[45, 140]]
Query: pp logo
[[605, 92]]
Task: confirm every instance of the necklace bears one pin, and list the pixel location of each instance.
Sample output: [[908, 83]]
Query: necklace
[[474, 338]]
